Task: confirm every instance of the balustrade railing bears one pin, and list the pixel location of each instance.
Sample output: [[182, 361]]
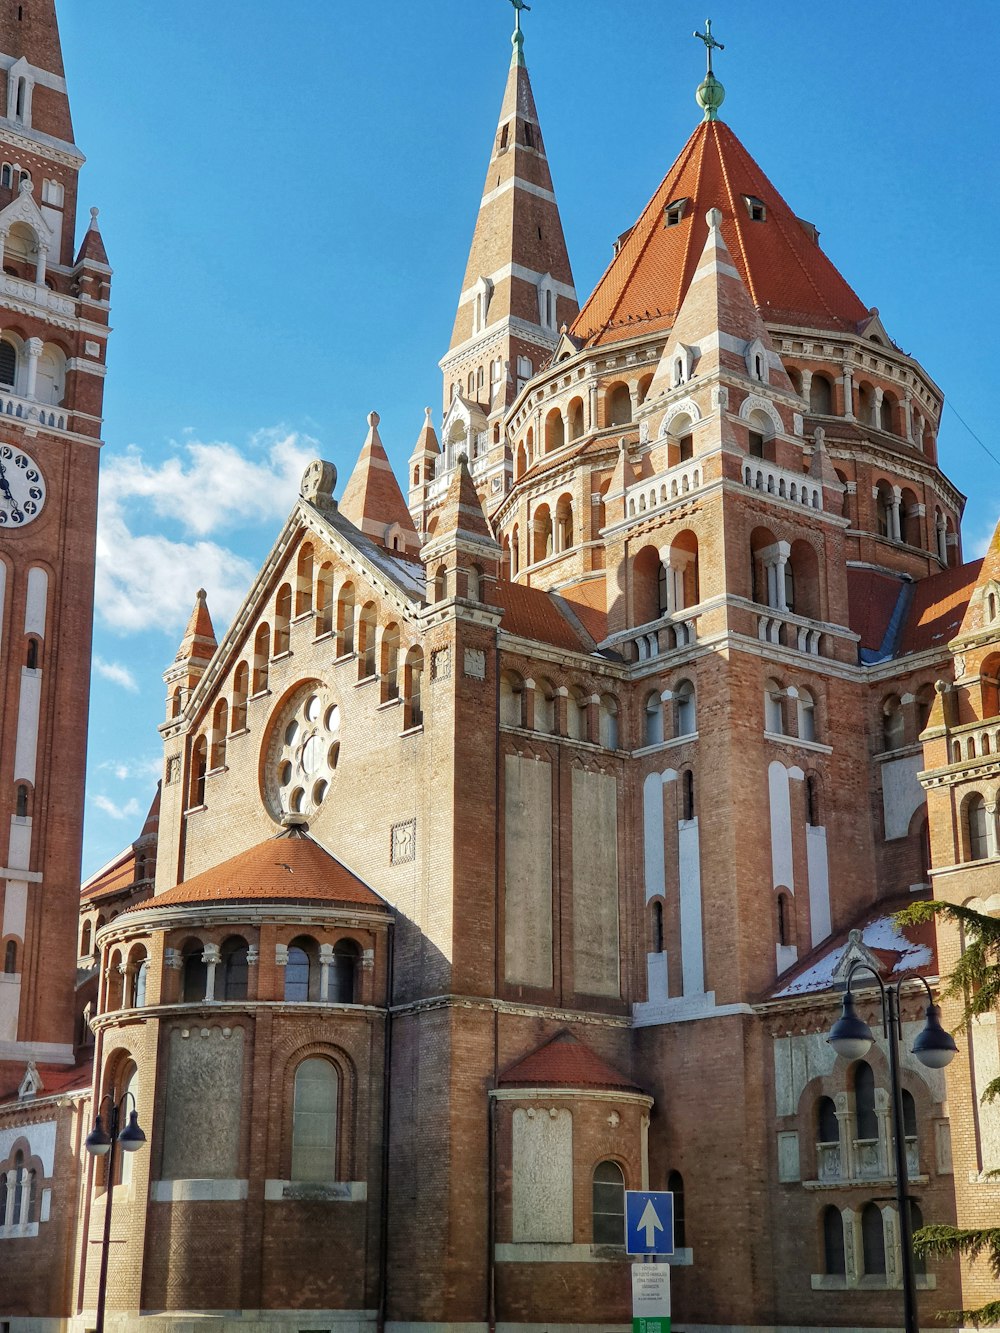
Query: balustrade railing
[[664, 489], [777, 481], [657, 638], [779, 627], [23, 290], [26, 410]]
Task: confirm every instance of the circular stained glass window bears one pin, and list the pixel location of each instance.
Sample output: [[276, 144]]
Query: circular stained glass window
[[301, 753]]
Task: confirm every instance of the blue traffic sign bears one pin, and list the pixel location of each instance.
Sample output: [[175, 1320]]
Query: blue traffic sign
[[649, 1222]]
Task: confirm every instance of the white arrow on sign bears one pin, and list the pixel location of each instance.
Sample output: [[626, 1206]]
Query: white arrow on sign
[[650, 1223]]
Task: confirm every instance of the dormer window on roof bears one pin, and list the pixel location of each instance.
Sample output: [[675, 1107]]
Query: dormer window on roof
[[674, 211], [756, 208]]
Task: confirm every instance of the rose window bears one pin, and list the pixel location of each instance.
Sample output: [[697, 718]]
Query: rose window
[[302, 753]]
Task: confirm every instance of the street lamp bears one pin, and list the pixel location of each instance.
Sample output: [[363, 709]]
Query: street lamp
[[852, 1038], [100, 1142]]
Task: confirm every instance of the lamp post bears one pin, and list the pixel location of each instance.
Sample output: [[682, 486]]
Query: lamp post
[[852, 1038], [100, 1142]]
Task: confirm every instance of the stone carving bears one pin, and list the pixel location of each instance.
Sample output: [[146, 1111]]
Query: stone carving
[[441, 664], [475, 663], [318, 482], [403, 843]]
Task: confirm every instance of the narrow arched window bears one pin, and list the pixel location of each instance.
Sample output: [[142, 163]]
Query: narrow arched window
[[608, 1203], [654, 720], [784, 925], [22, 800], [32, 659], [10, 958], [872, 1239], [8, 362], [688, 794], [85, 940], [302, 970], [864, 1101], [827, 1128], [314, 1121], [684, 709], [976, 816], [812, 801], [261, 654], [241, 688], [234, 968], [675, 1184], [657, 927], [19, 1182], [909, 1115], [282, 620], [194, 979], [199, 766], [834, 1253], [137, 989], [343, 972], [366, 641]]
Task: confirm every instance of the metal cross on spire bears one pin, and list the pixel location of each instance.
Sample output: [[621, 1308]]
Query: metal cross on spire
[[710, 43]]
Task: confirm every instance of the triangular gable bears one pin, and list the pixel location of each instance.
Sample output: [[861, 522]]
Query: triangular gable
[[874, 331], [24, 209]]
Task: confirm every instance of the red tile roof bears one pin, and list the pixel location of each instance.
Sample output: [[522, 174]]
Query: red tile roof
[[939, 604], [115, 877], [534, 614], [786, 273], [291, 867], [589, 602], [565, 1062], [372, 500], [199, 642], [55, 1079], [871, 600]]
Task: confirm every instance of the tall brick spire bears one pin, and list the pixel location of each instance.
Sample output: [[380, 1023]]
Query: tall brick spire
[[372, 500], [518, 289]]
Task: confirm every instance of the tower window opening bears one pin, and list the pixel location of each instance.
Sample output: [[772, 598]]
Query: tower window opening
[[687, 804], [8, 363], [22, 801], [504, 137], [756, 445], [6, 175], [529, 140], [673, 212], [657, 927], [756, 208], [32, 657]]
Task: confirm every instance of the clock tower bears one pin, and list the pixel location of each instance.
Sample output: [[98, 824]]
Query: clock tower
[[53, 342]]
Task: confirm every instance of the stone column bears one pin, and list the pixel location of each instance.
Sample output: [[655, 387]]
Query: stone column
[[8, 1217], [941, 536], [847, 380], [3, 245], [895, 527], [908, 415], [592, 407], [33, 347], [877, 406], [807, 377], [992, 848], [212, 957], [325, 961], [775, 559], [42, 254]]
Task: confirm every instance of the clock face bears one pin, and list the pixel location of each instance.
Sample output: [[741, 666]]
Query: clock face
[[301, 752], [22, 490]]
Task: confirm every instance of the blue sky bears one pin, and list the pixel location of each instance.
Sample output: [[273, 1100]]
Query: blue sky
[[287, 195]]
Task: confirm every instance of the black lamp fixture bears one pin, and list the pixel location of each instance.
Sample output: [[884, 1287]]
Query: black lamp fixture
[[100, 1142], [852, 1038]]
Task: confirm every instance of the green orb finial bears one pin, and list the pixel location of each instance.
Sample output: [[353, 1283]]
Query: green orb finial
[[517, 41], [710, 94]]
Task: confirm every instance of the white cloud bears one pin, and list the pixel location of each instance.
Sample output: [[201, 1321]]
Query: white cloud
[[132, 769], [147, 580], [117, 674], [127, 811]]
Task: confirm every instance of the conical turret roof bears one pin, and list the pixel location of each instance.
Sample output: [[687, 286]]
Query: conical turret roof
[[199, 642], [372, 500], [787, 275]]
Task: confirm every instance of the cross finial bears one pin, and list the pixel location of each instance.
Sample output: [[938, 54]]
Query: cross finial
[[518, 6], [710, 43], [517, 41]]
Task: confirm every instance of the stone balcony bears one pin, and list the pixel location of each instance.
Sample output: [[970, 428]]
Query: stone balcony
[[32, 413], [795, 487], [37, 294]]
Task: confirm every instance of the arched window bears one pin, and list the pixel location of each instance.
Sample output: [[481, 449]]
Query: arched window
[[220, 728], [324, 599], [866, 1120], [577, 715], [314, 1121], [545, 708], [440, 584], [390, 663], [413, 675], [687, 798], [806, 710], [22, 800], [608, 1204], [675, 1184], [302, 970], [8, 363], [657, 927], [241, 686], [137, 983], [608, 721], [343, 972], [619, 406], [345, 620], [813, 817], [235, 968], [893, 723], [774, 721], [872, 1239], [261, 645], [194, 975], [685, 722], [834, 1253], [511, 700], [474, 583], [366, 641], [199, 766], [10, 958], [827, 1127], [33, 655], [19, 1183], [85, 940], [175, 702], [784, 920], [909, 1116], [654, 719], [32, 1213], [820, 396], [304, 581], [282, 620], [976, 818]]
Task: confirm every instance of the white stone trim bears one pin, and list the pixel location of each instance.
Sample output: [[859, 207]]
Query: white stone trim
[[687, 405], [333, 1191], [526, 275], [198, 1191], [517, 182], [562, 1094]]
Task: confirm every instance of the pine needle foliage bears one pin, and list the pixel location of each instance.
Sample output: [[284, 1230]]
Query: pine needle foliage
[[975, 983]]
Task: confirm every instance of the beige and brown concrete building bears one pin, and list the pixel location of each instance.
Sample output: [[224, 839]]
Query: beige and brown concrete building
[[514, 839]]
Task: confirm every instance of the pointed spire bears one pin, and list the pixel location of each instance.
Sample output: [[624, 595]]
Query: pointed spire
[[461, 519], [518, 280], [978, 619], [372, 500], [718, 303], [92, 246], [427, 445], [199, 642]]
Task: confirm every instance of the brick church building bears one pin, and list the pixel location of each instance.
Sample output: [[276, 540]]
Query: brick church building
[[514, 840]]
